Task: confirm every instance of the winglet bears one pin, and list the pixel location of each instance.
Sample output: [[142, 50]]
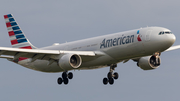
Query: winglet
[[17, 37]]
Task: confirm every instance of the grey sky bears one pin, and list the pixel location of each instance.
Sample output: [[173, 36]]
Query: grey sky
[[48, 22]]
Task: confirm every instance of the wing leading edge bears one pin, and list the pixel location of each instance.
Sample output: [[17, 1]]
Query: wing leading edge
[[39, 54]]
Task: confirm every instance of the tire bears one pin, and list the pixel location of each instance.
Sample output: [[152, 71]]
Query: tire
[[66, 81], [109, 75], [137, 64], [105, 81], [70, 75], [64, 75], [111, 81], [59, 80], [116, 75]]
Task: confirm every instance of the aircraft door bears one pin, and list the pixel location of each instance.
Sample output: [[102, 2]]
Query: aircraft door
[[148, 35]]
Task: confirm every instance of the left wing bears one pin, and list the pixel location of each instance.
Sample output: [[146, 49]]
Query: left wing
[[39, 54]]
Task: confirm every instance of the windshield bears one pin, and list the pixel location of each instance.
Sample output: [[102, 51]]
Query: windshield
[[162, 32]]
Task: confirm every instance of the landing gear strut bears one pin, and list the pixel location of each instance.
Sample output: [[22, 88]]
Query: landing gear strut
[[65, 78], [111, 76]]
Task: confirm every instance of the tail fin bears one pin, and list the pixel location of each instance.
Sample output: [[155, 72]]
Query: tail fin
[[17, 37]]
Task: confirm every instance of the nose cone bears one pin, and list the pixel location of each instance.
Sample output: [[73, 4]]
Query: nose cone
[[170, 39], [166, 41]]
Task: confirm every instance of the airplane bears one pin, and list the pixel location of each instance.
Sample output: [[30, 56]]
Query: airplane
[[143, 45]]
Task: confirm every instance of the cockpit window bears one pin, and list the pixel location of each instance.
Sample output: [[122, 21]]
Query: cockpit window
[[161, 33], [168, 32]]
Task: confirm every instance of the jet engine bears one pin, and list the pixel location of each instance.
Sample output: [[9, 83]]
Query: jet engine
[[149, 62], [70, 61]]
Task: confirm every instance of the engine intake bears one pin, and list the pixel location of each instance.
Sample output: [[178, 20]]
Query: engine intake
[[70, 61], [149, 62]]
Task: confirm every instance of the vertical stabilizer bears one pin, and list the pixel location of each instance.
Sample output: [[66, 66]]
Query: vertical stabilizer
[[17, 37]]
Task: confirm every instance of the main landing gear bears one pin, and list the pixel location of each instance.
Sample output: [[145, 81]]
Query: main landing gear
[[65, 78], [111, 76]]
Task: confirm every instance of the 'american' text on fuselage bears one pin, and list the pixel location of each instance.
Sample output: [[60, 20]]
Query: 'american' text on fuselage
[[117, 41]]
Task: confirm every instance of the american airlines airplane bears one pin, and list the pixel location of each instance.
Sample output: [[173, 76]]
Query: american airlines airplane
[[143, 46]]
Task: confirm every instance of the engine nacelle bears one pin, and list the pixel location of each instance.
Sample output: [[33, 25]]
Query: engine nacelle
[[70, 61], [149, 62]]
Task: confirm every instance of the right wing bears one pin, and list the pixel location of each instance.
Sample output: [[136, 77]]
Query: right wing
[[173, 48]]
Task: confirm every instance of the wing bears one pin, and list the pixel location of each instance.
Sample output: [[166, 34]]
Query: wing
[[41, 54], [169, 49], [173, 48]]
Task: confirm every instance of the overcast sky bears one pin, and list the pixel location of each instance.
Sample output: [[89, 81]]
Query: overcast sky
[[57, 21]]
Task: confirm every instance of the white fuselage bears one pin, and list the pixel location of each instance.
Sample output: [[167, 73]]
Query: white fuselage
[[113, 47]]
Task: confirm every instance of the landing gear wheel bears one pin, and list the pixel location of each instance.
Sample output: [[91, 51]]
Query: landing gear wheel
[[59, 80], [64, 75], [109, 75], [111, 81], [137, 64], [105, 81], [65, 78], [66, 81], [70, 75], [116, 75]]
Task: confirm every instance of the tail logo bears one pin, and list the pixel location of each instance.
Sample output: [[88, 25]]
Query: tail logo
[[17, 37]]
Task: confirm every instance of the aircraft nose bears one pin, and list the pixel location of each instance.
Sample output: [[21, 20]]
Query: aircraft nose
[[170, 39]]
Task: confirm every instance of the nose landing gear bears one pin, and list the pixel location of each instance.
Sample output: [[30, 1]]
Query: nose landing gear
[[111, 76]]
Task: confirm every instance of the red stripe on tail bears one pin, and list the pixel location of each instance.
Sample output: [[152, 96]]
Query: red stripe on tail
[[8, 24], [5, 16], [14, 42], [11, 33], [26, 47]]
